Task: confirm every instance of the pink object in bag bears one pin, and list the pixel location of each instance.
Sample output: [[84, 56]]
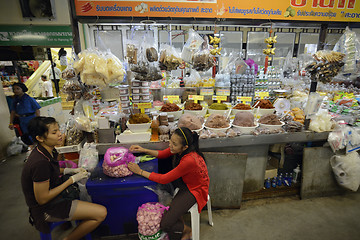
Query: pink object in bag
[[116, 160], [149, 217], [67, 164]]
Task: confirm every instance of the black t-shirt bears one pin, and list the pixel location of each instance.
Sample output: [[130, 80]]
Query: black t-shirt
[[40, 167]]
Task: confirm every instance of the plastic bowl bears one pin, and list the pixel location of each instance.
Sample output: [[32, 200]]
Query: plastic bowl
[[176, 114], [139, 127], [221, 112], [268, 126], [246, 130], [198, 130], [235, 111], [196, 112], [216, 130], [264, 111]]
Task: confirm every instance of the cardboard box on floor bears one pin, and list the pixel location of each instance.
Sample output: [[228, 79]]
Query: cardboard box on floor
[[272, 167]]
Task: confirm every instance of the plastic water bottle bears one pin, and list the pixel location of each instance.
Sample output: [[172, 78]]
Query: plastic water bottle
[[296, 173], [279, 180], [273, 182], [267, 183], [286, 180]]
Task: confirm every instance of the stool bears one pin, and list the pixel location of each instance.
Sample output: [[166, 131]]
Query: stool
[[52, 225], [195, 217]]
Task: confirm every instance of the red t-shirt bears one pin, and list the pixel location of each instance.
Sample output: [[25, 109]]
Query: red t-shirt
[[192, 169]]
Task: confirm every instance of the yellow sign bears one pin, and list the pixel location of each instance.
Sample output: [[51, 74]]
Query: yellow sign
[[206, 91], [142, 106], [171, 98], [219, 98], [300, 10], [245, 100], [196, 98], [222, 92], [262, 94]]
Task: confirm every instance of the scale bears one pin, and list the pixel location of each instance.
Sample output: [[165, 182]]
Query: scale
[[282, 105]]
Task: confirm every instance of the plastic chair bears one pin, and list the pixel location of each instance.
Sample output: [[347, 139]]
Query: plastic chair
[[195, 217], [53, 225]]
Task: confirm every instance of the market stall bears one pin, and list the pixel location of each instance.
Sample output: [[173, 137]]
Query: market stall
[[253, 88]]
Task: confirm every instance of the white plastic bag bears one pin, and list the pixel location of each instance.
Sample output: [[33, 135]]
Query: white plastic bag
[[15, 147], [89, 157], [346, 169]]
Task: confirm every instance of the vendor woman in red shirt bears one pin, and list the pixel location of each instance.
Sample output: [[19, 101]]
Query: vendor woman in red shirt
[[189, 165]]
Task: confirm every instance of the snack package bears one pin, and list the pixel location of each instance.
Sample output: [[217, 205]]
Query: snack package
[[169, 58], [349, 45], [203, 60], [191, 46], [99, 68]]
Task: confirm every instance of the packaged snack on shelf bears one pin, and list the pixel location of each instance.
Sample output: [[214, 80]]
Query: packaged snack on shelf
[[169, 58], [349, 45], [203, 60], [192, 45]]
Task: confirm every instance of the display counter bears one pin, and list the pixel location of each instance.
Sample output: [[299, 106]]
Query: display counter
[[256, 148]]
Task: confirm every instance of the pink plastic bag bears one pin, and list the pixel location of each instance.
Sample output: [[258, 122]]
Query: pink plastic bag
[[67, 164], [116, 160]]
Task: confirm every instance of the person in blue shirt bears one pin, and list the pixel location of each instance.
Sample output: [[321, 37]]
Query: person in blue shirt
[[23, 109]]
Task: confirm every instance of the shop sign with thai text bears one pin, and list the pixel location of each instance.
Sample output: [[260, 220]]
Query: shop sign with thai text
[[302, 10], [23, 35]]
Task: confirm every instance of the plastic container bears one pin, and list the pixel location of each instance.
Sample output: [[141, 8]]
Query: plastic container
[[124, 97], [135, 83], [246, 130], [136, 97], [126, 110], [145, 84], [124, 90], [135, 90], [145, 90], [125, 104], [139, 127], [145, 97], [272, 126], [121, 197]]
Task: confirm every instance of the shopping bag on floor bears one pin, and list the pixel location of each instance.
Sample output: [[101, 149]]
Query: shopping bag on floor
[[149, 217], [346, 169]]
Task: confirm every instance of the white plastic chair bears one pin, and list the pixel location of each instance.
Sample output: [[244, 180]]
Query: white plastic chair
[[195, 217]]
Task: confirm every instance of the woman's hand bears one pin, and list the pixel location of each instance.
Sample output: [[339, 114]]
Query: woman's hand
[[134, 168], [136, 148], [11, 126]]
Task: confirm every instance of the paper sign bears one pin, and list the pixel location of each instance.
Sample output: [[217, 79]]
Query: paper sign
[[262, 94], [219, 98], [171, 98], [196, 98], [142, 106], [245, 100], [223, 92], [206, 91]]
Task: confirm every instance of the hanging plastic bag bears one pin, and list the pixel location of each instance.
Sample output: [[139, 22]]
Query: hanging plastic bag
[[84, 195], [346, 169], [203, 60], [350, 46], [169, 58], [73, 135], [191, 46], [149, 217], [89, 157], [116, 160]]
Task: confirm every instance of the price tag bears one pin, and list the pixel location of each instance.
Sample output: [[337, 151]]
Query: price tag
[[171, 98], [245, 100], [223, 92], [142, 106], [219, 98], [196, 98], [262, 94], [206, 91]]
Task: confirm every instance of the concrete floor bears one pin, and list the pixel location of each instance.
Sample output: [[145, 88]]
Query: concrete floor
[[329, 218]]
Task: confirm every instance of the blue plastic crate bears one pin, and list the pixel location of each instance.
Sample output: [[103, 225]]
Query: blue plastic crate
[[121, 197]]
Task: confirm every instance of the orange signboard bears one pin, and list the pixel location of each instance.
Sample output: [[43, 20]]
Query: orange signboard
[[302, 10]]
